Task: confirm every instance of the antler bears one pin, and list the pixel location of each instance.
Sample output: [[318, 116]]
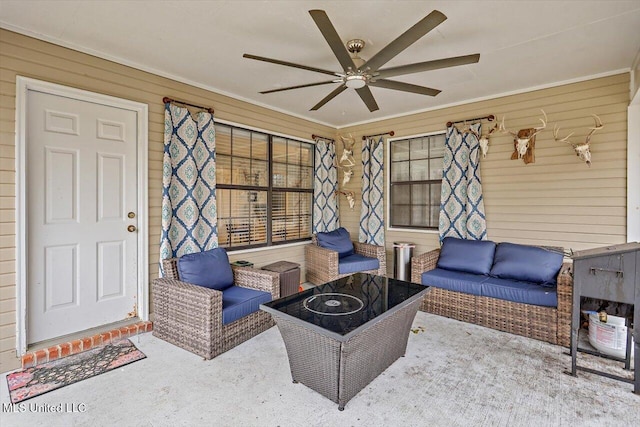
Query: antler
[[502, 129], [556, 130], [541, 128], [480, 136], [537, 130], [349, 142], [598, 126]]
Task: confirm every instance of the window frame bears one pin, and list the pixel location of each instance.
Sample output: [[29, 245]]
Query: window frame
[[269, 188], [388, 185]]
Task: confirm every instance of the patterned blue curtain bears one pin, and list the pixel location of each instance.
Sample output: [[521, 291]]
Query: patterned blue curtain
[[462, 207], [325, 185], [372, 212], [189, 215]]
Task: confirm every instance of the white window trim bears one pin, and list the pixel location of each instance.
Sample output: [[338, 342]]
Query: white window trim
[[387, 190]]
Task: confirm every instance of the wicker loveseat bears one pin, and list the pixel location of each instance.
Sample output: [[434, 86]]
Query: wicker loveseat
[[324, 265], [546, 323], [191, 316]]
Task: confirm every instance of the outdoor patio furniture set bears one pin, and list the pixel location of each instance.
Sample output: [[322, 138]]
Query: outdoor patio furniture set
[[339, 325]]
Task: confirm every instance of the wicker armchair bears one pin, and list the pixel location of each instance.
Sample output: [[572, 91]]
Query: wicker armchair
[[322, 264], [190, 316]]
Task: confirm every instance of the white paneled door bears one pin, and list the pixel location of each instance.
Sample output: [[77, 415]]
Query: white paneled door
[[81, 215]]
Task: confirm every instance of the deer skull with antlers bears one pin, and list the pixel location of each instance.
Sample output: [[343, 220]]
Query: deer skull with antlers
[[484, 140], [351, 197], [346, 161], [524, 141], [346, 175], [582, 149]]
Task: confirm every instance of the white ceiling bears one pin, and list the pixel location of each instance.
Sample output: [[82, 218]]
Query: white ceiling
[[523, 45]]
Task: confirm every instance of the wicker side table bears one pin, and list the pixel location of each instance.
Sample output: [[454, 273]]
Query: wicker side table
[[289, 276]]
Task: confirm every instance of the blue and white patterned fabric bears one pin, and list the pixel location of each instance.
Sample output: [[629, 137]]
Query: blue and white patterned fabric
[[325, 184], [189, 215], [461, 204], [372, 212]]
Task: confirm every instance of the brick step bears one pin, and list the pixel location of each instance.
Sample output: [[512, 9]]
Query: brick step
[[76, 346]]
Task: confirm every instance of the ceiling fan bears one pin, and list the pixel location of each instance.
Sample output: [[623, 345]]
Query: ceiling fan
[[360, 74]]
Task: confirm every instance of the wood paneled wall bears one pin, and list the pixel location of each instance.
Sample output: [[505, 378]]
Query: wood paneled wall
[[28, 57], [557, 200]]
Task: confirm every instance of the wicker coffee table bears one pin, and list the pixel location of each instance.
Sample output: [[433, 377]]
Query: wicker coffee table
[[341, 335]]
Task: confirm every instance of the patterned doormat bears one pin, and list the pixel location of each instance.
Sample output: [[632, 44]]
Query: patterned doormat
[[40, 379]]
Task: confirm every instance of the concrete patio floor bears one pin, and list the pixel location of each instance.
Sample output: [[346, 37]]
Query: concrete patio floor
[[453, 374]]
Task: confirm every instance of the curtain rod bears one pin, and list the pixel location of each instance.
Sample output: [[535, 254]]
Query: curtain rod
[[167, 99], [490, 117], [390, 133], [314, 136]]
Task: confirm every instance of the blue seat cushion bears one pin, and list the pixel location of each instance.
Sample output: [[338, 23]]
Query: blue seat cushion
[[494, 287], [356, 262], [470, 256], [238, 302], [454, 280], [526, 263], [210, 269], [517, 291], [336, 240]]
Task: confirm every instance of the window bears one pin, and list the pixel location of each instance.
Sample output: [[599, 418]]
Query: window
[[416, 177], [254, 210]]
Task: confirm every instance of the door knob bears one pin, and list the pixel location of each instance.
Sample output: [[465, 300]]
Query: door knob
[[131, 228]]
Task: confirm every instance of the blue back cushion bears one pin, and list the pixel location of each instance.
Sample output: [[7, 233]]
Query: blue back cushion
[[527, 263], [469, 256], [336, 240], [210, 269]]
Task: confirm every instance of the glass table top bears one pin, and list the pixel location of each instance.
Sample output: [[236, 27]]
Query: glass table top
[[345, 304]]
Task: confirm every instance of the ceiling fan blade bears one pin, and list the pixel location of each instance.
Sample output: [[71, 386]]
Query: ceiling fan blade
[[331, 36], [337, 91], [405, 40], [405, 87], [290, 64], [428, 65], [298, 86], [367, 98]]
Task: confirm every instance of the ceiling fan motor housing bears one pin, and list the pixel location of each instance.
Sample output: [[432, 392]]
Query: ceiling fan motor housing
[[355, 45]]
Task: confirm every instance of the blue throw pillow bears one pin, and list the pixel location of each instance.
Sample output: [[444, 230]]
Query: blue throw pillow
[[526, 263], [210, 269], [336, 240], [469, 256]]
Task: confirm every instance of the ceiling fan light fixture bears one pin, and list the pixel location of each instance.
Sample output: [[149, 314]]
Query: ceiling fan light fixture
[[355, 82]]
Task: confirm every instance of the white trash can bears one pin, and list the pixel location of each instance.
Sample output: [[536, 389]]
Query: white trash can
[[402, 253]]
